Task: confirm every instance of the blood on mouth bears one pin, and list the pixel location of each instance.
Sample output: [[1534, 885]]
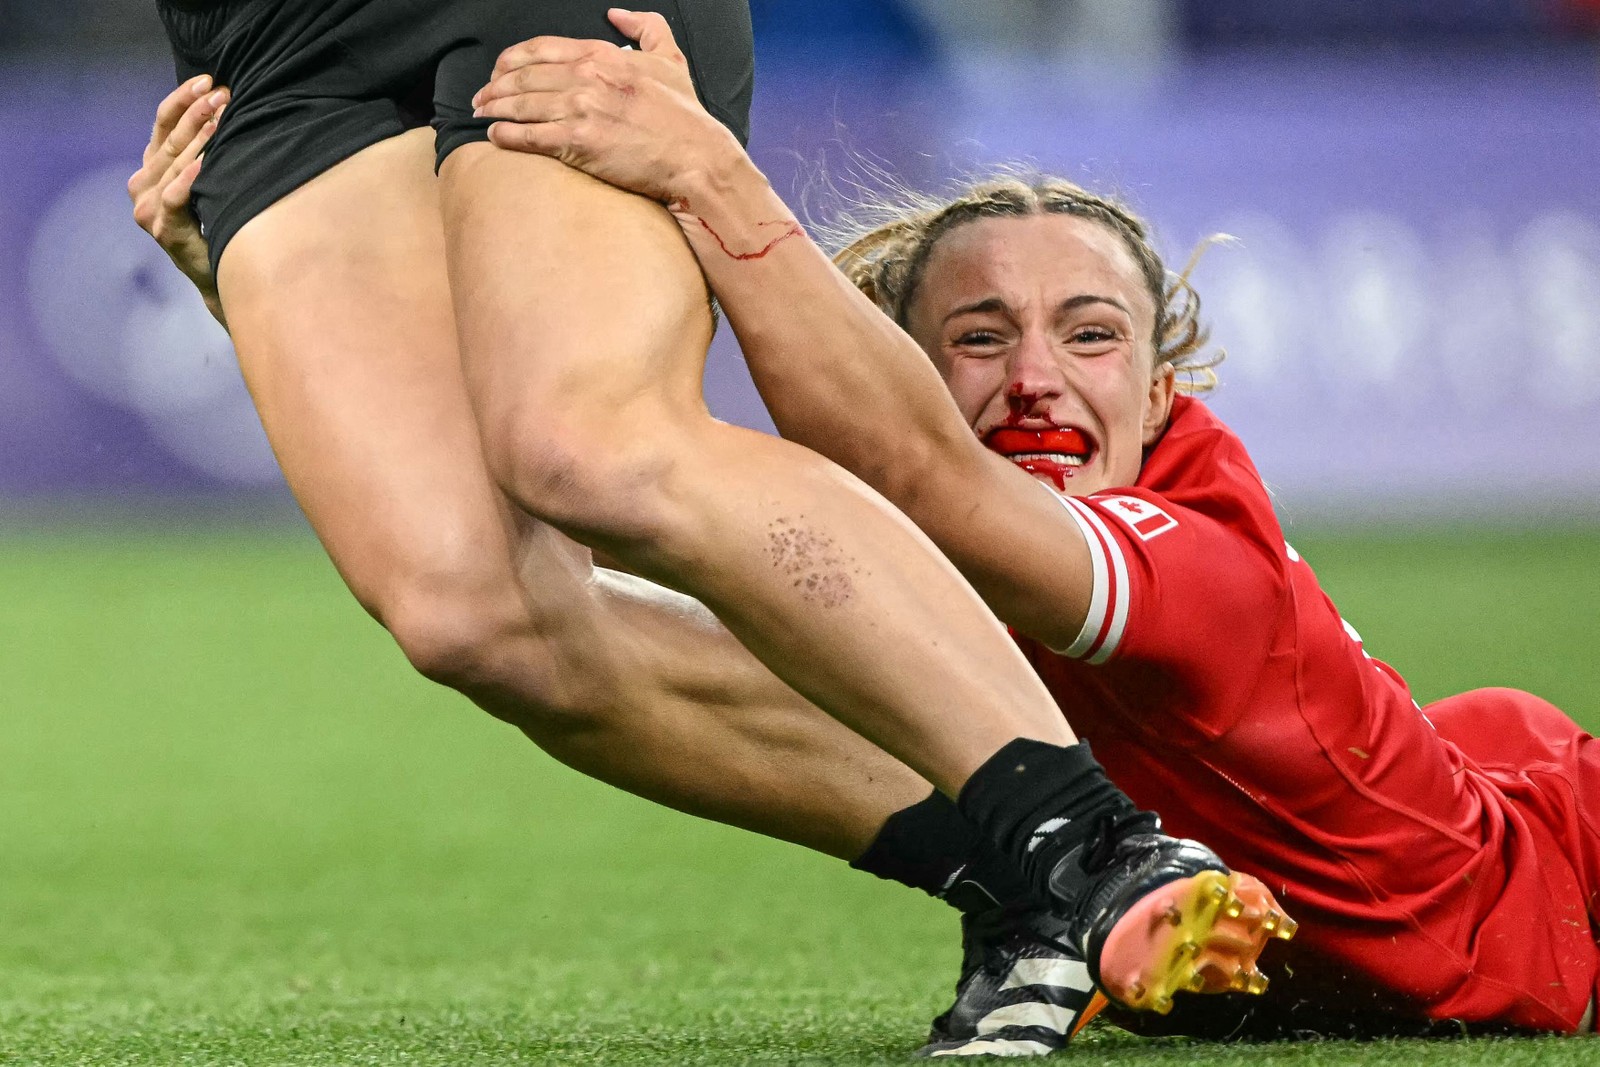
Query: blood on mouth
[[1035, 450]]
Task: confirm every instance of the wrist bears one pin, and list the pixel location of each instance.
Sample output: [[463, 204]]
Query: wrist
[[721, 169], [729, 207], [720, 187]]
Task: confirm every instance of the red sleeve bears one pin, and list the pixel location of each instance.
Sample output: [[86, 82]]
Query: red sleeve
[[1177, 587]]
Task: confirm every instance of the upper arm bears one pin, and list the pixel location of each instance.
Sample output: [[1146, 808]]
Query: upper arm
[[1121, 571], [1013, 538]]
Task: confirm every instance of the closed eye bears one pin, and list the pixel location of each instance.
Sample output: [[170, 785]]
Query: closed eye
[[1093, 335], [978, 339]]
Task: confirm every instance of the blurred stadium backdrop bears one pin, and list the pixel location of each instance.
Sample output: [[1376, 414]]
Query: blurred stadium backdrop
[[234, 828], [1412, 312]]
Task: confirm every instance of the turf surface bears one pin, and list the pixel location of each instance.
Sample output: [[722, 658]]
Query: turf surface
[[235, 829]]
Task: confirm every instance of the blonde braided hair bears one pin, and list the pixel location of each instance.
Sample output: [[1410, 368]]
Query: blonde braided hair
[[887, 242]]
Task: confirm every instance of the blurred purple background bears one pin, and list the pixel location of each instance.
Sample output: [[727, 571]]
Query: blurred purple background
[[1412, 310]]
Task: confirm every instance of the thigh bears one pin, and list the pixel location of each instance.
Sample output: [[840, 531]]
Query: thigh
[[572, 296], [313, 82], [340, 310], [1545, 763]]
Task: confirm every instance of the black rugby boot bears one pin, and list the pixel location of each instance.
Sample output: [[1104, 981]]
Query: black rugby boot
[[1024, 990]]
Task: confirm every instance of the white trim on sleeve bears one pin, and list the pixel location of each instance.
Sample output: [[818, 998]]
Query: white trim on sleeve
[[1107, 618]]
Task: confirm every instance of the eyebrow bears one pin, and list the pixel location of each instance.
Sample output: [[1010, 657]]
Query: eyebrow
[[994, 303]]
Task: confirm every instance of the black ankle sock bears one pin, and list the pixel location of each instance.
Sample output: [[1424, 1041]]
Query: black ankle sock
[[1037, 802], [932, 847]]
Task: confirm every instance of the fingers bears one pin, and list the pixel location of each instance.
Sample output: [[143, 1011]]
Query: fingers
[[648, 28], [190, 155], [175, 195], [545, 138], [531, 107], [202, 113], [171, 109], [543, 80], [180, 137], [161, 198], [182, 132], [548, 50], [538, 78]]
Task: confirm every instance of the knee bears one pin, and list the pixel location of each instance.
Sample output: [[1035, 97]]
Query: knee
[[607, 479], [450, 636], [530, 671]]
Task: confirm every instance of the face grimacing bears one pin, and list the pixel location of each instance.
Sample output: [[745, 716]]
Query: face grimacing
[[1042, 328]]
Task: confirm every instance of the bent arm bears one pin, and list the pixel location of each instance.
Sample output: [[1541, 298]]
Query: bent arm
[[843, 379]]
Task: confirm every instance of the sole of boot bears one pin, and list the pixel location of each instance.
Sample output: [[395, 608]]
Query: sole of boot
[[1200, 934]]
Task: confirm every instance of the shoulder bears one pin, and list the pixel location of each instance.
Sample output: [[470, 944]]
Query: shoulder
[[1200, 466], [1193, 548]]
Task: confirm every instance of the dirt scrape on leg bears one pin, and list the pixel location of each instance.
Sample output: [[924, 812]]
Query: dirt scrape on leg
[[811, 561]]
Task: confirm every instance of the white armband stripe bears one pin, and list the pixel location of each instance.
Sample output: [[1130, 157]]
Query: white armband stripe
[[1117, 593], [1099, 596]]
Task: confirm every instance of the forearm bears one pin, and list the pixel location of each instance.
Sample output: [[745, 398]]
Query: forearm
[[842, 378], [837, 374]]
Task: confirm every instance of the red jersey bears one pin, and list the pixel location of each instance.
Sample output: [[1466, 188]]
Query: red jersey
[[1221, 688]]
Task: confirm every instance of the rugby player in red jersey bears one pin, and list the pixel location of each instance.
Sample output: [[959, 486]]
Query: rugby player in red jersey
[[1447, 867], [1445, 861]]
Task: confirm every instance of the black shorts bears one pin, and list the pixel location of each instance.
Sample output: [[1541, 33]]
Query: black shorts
[[316, 81]]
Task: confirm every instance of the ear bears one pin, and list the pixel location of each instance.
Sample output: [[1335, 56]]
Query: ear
[[1158, 403]]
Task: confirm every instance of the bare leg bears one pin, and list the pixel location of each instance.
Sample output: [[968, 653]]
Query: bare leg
[[339, 305], [583, 323], [724, 736]]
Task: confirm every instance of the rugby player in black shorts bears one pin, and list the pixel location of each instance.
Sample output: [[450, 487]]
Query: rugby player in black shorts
[[460, 373]]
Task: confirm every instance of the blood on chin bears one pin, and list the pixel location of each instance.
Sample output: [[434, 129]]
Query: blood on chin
[[1056, 474]]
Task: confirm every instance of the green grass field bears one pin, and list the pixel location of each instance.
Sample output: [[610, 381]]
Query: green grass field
[[234, 829]]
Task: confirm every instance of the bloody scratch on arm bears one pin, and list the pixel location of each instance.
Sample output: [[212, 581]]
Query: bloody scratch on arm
[[791, 228]]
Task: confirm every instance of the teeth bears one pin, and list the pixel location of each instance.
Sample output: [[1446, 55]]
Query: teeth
[[1066, 459]]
